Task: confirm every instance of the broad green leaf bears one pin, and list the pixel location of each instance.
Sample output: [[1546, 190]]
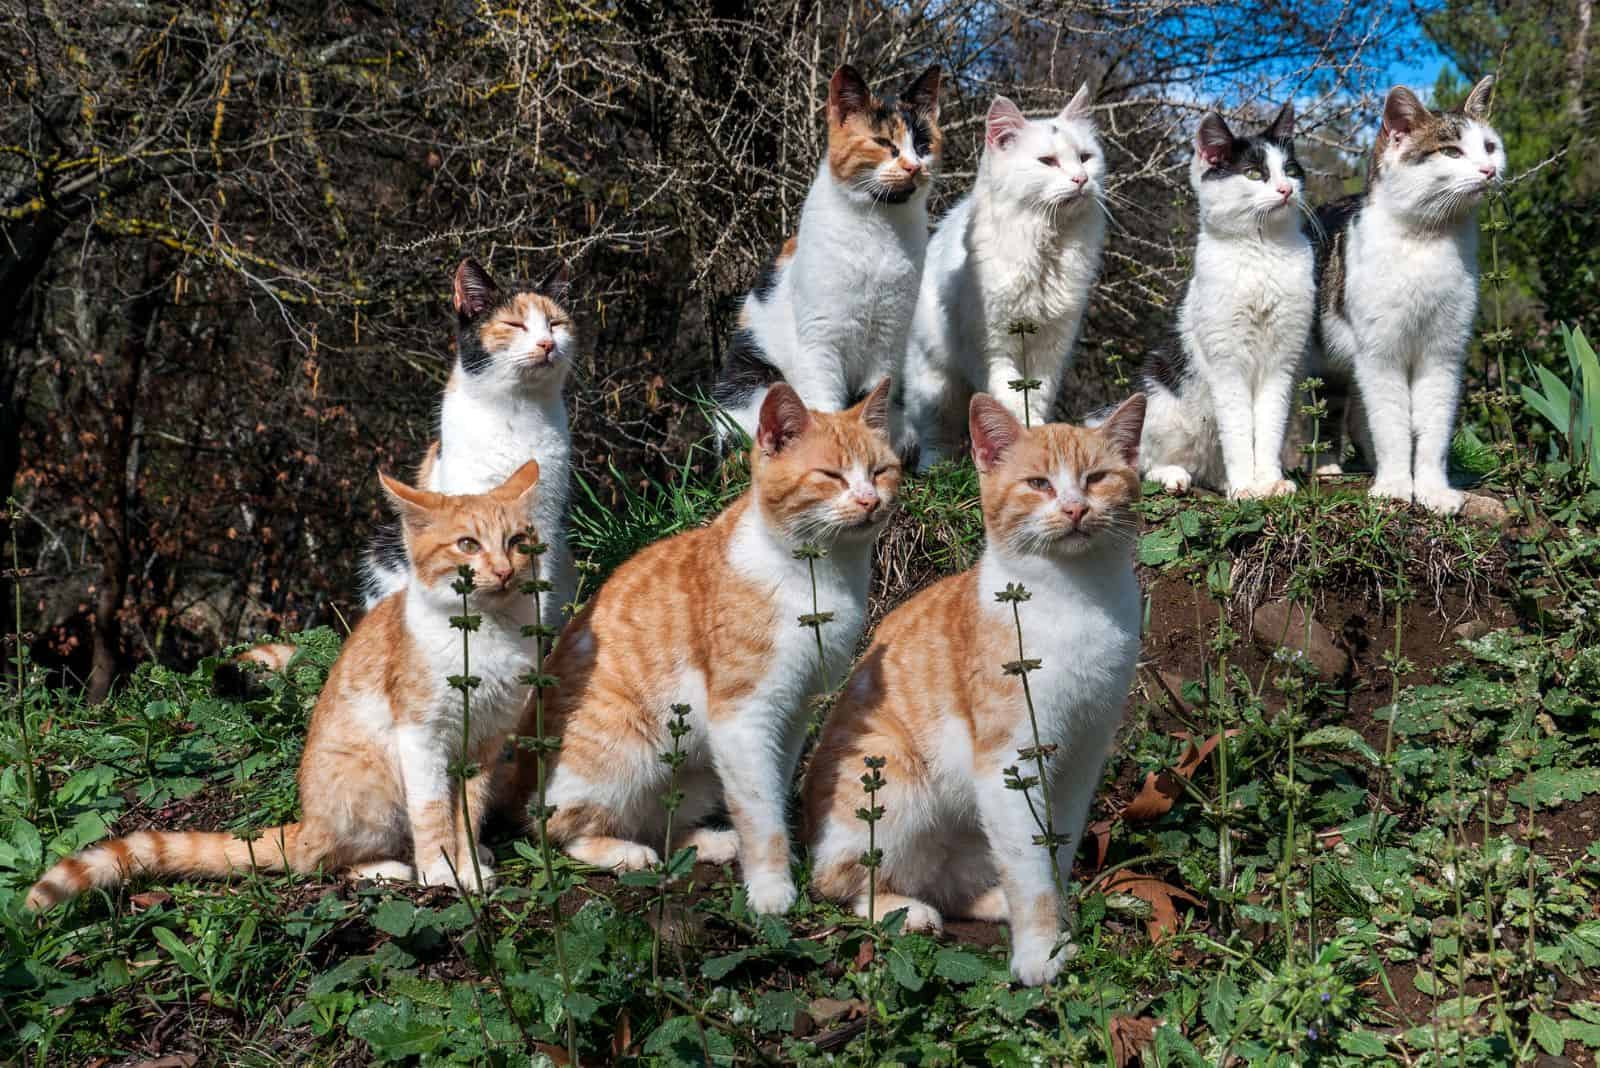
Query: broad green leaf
[[1547, 1033], [395, 917], [959, 966], [904, 969]]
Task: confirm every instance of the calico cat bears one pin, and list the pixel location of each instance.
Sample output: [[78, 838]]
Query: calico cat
[[708, 618], [376, 791], [830, 315], [1398, 285], [1022, 247], [1219, 403], [931, 695], [502, 405]]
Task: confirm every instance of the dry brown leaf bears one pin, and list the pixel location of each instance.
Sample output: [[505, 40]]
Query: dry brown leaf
[[1159, 895], [1100, 831], [1161, 789], [826, 1010], [149, 899], [1129, 1035], [865, 954], [171, 1060], [557, 1054], [622, 1038]]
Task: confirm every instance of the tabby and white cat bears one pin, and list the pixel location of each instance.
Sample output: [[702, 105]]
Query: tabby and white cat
[[830, 315], [932, 697], [1023, 247], [1219, 403], [709, 619], [502, 406], [1398, 285], [376, 791]]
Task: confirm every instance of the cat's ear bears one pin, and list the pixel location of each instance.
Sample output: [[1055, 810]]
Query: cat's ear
[[847, 94], [474, 289], [558, 282], [414, 506], [1124, 426], [1004, 123], [874, 408], [923, 94], [1282, 128], [994, 430], [1214, 141], [521, 485], [1477, 105], [1402, 113], [1079, 107], [784, 417]]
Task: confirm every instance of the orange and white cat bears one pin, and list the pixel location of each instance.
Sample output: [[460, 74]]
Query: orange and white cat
[[376, 790], [710, 619], [931, 695]]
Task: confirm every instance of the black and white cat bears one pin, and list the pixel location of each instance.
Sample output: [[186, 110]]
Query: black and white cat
[[830, 315], [1219, 403], [1398, 286], [502, 406]]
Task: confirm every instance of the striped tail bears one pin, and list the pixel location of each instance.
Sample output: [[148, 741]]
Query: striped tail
[[205, 853]]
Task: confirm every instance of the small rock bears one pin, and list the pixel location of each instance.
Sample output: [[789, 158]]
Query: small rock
[[1281, 620], [1486, 509], [1471, 630]]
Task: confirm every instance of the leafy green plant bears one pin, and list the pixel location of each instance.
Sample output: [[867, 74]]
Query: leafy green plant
[[1572, 410]]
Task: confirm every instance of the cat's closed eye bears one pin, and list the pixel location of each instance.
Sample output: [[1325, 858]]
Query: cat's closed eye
[[1095, 478], [515, 324], [1450, 151], [1040, 484], [468, 545], [886, 143], [1049, 161], [837, 476]]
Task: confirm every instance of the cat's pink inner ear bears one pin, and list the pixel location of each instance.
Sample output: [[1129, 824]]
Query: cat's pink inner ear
[[521, 482], [874, 409], [411, 504], [784, 417], [1402, 111], [1214, 141], [474, 289], [994, 431], [1005, 121], [847, 93], [1125, 426]]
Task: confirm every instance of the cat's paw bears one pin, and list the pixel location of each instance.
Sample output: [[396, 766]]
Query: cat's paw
[[770, 894], [395, 871], [632, 857], [1394, 489], [1035, 965], [1173, 478], [714, 846], [485, 854], [1330, 470], [1440, 499], [1272, 487], [439, 874]]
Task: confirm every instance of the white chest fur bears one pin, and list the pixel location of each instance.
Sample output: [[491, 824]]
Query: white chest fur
[[1251, 299]]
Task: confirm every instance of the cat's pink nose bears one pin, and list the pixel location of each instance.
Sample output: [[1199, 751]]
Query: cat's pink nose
[[910, 166], [1285, 190], [866, 497], [1488, 170], [545, 345], [1080, 178], [1074, 511], [503, 574]]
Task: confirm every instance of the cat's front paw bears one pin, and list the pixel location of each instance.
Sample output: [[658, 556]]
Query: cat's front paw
[[1173, 479], [714, 846], [770, 894], [440, 874], [1394, 489], [1272, 487], [1440, 499], [1330, 470], [1035, 965]]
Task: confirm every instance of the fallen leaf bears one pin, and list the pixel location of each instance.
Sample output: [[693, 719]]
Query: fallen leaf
[[1161, 789], [622, 1038], [1129, 1035], [557, 1054], [1100, 830], [1157, 894], [149, 899], [827, 1010], [865, 954], [171, 1060]]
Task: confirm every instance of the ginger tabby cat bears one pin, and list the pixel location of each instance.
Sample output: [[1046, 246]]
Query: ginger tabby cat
[[376, 791], [932, 698], [709, 619]]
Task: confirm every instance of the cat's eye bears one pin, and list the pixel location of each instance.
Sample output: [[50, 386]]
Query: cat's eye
[[886, 143], [1256, 174], [516, 540], [557, 324], [515, 324], [1292, 169], [1489, 146], [468, 545], [1049, 161], [1040, 484], [882, 468], [837, 476], [1085, 157], [1450, 151], [1095, 478]]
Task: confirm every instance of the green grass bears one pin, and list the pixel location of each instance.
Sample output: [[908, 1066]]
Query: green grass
[[1398, 867]]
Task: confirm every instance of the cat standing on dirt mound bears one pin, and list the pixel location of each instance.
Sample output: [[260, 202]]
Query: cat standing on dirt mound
[[1398, 285], [710, 619], [830, 315], [1020, 251], [1220, 402], [502, 407], [933, 698], [377, 794]]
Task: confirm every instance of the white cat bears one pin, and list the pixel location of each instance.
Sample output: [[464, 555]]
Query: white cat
[[1398, 278], [1021, 249], [1219, 405], [502, 406], [830, 315]]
